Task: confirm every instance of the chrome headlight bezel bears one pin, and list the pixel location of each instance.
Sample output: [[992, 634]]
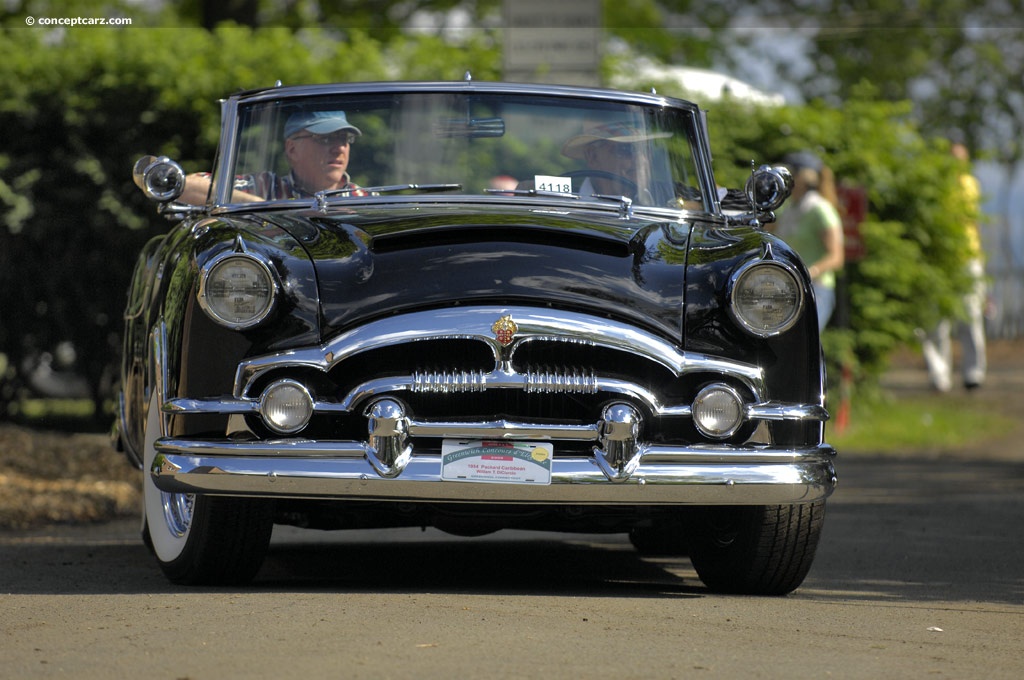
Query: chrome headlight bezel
[[263, 282], [745, 300], [730, 408], [291, 414]]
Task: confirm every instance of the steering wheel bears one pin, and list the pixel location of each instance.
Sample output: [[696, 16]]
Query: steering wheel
[[604, 174]]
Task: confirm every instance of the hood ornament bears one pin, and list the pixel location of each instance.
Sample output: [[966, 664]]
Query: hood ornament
[[505, 329]]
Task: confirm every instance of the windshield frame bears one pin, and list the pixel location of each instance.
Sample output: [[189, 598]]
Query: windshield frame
[[692, 122]]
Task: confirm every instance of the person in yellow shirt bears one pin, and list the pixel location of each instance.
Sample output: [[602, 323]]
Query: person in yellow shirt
[[937, 345]]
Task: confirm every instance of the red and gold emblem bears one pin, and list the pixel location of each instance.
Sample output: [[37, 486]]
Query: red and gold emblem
[[505, 329]]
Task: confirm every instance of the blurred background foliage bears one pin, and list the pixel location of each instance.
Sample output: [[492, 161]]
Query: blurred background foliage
[[78, 105]]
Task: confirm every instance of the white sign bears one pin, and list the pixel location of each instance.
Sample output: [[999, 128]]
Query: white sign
[[562, 185], [498, 462], [548, 41]]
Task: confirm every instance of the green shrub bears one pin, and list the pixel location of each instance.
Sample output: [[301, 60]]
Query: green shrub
[[912, 273]]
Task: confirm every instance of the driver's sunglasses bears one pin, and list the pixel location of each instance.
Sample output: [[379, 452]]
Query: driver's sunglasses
[[620, 149], [333, 139]]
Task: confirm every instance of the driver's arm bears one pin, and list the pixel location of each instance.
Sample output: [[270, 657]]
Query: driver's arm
[[197, 188]]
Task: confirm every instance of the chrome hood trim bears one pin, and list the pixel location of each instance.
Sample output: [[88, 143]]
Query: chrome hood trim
[[475, 323]]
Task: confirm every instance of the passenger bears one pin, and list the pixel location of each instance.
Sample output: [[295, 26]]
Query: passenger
[[614, 153], [317, 145]]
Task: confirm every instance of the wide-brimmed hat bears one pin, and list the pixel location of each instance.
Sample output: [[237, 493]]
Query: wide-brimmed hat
[[609, 132], [318, 123]]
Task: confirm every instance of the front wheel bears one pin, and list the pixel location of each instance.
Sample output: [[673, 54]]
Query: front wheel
[[755, 550], [201, 540]]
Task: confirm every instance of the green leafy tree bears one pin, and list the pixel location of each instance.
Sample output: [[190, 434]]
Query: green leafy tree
[[78, 106], [912, 273]]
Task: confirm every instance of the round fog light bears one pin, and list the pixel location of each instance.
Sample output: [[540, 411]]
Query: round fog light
[[718, 411], [286, 406]]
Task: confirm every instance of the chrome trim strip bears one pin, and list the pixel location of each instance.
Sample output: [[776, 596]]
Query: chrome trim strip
[[504, 429], [120, 433], [505, 378], [185, 406], [474, 323], [773, 410], [777, 410], [665, 475]]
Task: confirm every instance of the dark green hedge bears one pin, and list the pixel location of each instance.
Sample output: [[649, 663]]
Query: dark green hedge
[[79, 106]]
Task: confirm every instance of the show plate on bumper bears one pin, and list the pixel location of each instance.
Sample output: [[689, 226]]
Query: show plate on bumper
[[496, 462]]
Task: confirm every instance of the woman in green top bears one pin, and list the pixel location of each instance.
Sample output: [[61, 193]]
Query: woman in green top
[[811, 225]]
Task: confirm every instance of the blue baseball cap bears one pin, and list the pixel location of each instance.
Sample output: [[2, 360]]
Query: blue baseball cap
[[318, 123]]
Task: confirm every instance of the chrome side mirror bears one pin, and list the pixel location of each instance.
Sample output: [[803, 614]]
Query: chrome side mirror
[[160, 178], [769, 187]]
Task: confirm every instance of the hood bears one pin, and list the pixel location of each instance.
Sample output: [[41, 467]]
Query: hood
[[399, 259]]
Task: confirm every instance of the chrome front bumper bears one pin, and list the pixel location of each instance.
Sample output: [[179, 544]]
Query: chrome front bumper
[[663, 475], [395, 463]]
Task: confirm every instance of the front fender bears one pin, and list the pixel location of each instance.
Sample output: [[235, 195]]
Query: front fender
[[792, 361], [197, 356]]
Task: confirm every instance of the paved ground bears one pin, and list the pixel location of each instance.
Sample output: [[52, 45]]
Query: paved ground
[[918, 575]]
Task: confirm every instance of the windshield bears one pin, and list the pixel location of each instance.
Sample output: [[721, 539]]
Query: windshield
[[482, 144]]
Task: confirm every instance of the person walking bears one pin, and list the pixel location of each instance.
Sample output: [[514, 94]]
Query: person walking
[[937, 345]]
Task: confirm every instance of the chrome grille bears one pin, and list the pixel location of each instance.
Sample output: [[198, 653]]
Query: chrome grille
[[448, 382], [574, 380]]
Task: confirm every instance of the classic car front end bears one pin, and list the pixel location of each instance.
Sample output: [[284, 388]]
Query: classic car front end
[[579, 350]]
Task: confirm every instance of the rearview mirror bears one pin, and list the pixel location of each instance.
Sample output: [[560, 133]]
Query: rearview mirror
[[160, 178], [473, 128], [769, 187]]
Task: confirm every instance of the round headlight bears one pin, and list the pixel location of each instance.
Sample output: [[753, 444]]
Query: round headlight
[[238, 291], [286, 406], [718, 411], [767, 298]]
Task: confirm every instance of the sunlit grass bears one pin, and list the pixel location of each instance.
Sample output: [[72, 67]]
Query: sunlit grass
[[69, 415], [56, 408], [927, 423]]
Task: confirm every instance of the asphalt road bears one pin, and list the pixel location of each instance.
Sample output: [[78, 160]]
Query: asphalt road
[[919, 574]]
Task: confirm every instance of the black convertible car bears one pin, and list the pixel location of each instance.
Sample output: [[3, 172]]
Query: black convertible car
[[473, 306]]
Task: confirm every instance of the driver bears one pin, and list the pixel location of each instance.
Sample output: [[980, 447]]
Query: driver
[[317, 145], [611, 151]]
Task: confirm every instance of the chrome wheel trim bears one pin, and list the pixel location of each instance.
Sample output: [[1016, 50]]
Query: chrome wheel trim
[[168, 515], [178, 511]]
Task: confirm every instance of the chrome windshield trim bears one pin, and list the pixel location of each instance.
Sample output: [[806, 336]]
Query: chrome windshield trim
[[568, 205], [466, 87], [474, 323]]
